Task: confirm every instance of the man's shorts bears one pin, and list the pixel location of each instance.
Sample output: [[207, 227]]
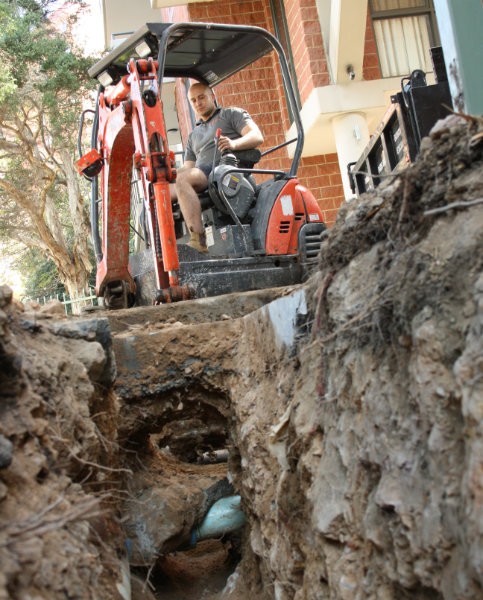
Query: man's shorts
[[205, 168]]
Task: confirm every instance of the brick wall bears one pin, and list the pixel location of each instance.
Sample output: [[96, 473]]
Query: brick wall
[[370, 66], [242, 12], [321, 175], [258, 90], [307, 46]]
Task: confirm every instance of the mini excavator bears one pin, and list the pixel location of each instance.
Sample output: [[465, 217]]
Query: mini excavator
[[259, 235]]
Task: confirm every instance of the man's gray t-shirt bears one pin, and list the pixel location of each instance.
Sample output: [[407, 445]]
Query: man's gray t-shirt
[[201, 141]]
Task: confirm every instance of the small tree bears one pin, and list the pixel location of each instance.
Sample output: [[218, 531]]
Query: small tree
[[43, 83]]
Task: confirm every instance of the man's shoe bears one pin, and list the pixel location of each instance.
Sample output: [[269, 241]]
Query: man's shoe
[[198, 242]]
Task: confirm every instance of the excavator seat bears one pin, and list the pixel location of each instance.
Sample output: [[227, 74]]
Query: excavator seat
[[247, 159]]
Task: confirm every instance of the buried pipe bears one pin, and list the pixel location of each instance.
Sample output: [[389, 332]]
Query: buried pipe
[[223, 517], [213, 456]]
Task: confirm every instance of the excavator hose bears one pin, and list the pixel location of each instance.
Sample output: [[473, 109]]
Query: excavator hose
[[174, 294]]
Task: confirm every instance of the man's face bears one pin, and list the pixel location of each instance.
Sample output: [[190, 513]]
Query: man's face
[[202, 101]]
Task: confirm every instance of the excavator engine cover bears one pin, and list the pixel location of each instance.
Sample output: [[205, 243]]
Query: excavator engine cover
[[226, 186]]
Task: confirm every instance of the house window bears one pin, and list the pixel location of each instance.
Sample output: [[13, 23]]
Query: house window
[[405, 30]]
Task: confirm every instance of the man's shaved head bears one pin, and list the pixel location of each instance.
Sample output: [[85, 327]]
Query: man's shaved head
[[202, 100]]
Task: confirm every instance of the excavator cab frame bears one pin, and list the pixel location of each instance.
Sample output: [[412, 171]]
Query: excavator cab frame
[[274, 244]]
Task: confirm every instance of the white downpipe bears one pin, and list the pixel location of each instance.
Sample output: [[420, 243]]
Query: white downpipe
[[351, 137]]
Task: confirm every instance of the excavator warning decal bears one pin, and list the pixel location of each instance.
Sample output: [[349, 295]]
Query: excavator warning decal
[[287, 205], [210, 240]]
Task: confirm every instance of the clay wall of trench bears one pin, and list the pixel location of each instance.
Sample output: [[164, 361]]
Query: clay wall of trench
[[354, 407]]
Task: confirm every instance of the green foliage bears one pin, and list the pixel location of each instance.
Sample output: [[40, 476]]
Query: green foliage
[[38, 58], [7, 82], [43, 84], [40, 275], [19, 38]]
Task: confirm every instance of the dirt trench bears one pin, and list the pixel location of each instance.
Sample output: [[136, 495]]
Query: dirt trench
[[350, 410]]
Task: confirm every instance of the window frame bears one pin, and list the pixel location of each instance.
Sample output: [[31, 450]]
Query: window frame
[[399, 13], [413, 11]]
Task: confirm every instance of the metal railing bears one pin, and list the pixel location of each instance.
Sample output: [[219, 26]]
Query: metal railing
[[71, 306]]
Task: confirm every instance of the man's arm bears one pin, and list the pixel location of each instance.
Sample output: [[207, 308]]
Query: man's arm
[[251, 137]]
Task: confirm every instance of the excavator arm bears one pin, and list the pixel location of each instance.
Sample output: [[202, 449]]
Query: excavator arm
[[132, 136]]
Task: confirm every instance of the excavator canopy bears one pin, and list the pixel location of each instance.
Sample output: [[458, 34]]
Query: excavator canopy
[[208, 52]]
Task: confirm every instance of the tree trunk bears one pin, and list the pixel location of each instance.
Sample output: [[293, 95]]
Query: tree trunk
[[46, 231]]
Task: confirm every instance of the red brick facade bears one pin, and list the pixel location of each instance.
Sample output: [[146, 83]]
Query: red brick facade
[[370, 67], [307, 46], [321, 175], [259, 90]]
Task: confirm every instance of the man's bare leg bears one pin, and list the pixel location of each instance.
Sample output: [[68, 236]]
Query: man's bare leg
[[172, 192], [187, 185]]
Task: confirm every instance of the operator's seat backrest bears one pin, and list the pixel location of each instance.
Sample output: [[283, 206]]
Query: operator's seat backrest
[[247, 159]]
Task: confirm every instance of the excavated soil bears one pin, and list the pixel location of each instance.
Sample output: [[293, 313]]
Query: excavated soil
[[350, 409]]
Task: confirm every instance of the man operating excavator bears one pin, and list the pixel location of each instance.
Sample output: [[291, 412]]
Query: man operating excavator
[[239, 132]]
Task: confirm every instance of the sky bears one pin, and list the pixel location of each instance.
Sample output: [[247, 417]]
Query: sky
[[89, 29], [9, 276], [91, 35]]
